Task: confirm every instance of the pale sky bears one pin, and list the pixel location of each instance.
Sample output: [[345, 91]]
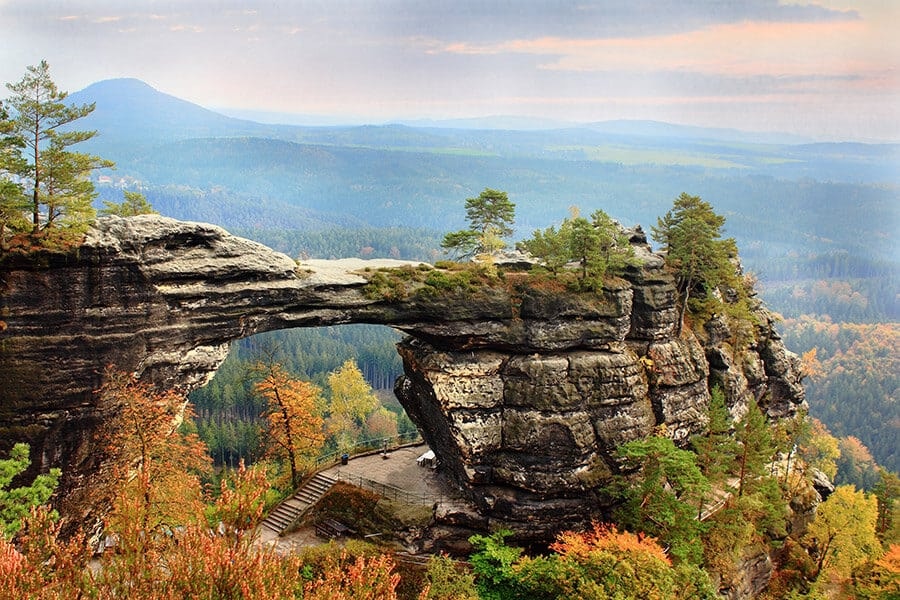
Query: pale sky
[[823, 68]]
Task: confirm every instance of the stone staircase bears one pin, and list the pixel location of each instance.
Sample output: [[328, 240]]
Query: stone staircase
[[286, 513]]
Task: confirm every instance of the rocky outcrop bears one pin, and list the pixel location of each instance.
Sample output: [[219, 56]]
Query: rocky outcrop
[[750, 575], [531, 433], [523, 392]]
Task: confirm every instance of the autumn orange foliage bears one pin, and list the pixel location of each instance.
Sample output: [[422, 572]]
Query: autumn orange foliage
[[154, 479], [294, 421], [365, 578], [607, 538], [11, 562], [47, 568], [887, 568]]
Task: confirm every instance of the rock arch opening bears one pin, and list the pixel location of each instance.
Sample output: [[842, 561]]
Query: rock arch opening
[[229, 412]]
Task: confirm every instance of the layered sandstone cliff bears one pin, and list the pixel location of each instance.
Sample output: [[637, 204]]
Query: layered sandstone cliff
[[530, 430], [522, 393]]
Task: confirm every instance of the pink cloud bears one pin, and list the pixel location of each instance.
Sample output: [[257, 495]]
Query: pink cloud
[[742, 49]]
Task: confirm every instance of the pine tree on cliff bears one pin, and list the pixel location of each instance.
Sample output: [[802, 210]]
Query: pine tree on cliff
[[135, 203], [58, 179], [597, 245], [691, 236], [13, 203], [491, 216]]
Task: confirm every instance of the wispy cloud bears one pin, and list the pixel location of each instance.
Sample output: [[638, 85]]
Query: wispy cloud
[[484, 22], [665, 59], [744, 49], [188, 28]]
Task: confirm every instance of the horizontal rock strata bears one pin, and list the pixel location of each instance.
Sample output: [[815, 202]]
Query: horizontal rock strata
[[523, 394]]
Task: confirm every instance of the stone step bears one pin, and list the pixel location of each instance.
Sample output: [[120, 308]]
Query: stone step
[[292, 508], [312, 490], [277, 524], [288, 512], [308, 496]]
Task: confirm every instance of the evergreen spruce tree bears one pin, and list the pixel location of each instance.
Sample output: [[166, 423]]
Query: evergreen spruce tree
[[716, 449], [755, 448]]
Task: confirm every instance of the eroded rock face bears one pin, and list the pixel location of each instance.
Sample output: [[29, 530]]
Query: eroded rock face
[[522, 394], [531, 435]]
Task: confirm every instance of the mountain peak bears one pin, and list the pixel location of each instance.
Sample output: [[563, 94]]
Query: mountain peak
[[132, 107], [129, 92], [122, 83]]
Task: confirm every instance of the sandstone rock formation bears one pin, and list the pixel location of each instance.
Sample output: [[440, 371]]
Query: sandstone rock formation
[[522, 393], [530, 430]]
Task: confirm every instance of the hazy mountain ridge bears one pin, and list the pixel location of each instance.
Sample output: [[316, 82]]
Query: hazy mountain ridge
[[131, 112], [380, 175], [239, 172]]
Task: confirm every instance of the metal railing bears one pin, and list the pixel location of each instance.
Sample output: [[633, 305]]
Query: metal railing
[[369, 446], [388, 491]]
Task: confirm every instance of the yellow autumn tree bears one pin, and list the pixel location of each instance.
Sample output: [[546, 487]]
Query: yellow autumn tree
[[842, 535], [810, 366], [352, 401], [294, 423]]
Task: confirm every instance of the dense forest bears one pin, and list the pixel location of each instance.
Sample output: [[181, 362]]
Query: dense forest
[[853, 387]]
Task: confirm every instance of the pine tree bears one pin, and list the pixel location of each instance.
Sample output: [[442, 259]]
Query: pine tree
[[490, 216], [662, 496], [755, 448], [716, 449], [58, 178], [135, 203], [691, 236], [13, 202], [887, 492], [614, 247], [584, 248], [16, 502], [597, 245]]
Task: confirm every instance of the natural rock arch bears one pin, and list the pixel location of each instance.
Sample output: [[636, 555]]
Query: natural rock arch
[[489, 373]]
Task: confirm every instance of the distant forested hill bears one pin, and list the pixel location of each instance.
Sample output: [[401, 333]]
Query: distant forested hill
[[272, 183], [817, 223]]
